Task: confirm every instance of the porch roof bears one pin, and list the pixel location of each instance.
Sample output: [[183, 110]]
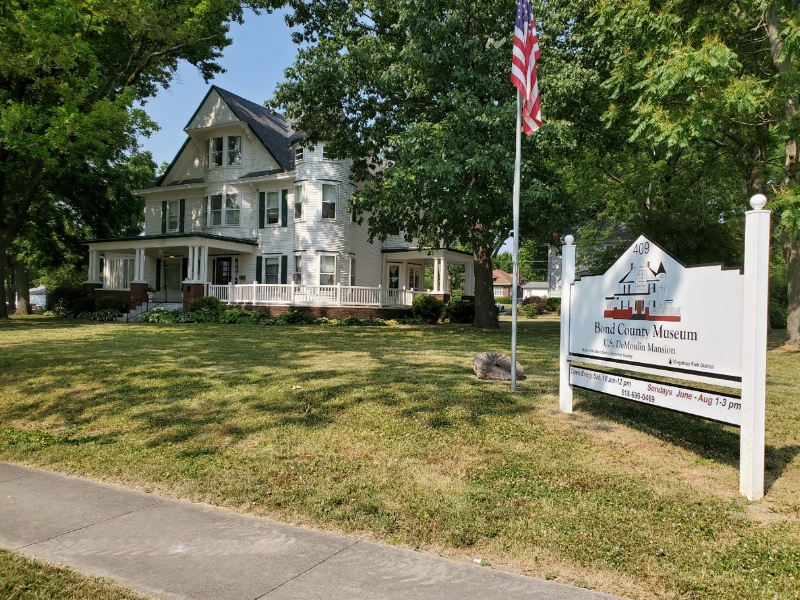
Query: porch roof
[[453, 256], [173, 239]]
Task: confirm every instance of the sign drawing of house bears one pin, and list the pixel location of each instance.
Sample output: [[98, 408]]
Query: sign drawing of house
[[642, 295]]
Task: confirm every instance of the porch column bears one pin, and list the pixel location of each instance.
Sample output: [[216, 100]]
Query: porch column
[[190, 265], [435, 275], [199, 270], [445, 279], [138, 264], [204, 264], [142, 263]]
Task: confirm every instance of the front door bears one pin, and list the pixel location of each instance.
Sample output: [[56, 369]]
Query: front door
[[222, 273], [172, 279]]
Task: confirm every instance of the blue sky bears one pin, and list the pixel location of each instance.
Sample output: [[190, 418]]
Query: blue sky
[[255, 62]]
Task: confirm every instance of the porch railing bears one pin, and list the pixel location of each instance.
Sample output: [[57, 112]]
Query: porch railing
[[312, 295]]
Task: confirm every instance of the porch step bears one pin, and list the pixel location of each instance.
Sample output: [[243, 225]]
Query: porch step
[[168, 306]]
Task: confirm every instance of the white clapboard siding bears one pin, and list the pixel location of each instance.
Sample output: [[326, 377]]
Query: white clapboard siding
[[214, 111], [189, 165]]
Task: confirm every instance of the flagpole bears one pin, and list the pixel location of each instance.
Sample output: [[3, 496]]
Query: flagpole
[[515, 247]]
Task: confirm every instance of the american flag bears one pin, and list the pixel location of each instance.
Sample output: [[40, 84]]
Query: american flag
[[523, 66]]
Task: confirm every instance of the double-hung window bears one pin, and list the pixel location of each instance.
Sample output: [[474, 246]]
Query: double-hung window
[[215, 213], [273, 208], [325, 155], [297, 277], [329, 197], [298, 154], [327, 270], [234, 150], [216, 152], [298, 202], [272, 271], [172, 215], [231, 209]]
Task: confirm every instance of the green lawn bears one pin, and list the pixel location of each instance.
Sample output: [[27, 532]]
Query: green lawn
[[23, 578], [384, 433]]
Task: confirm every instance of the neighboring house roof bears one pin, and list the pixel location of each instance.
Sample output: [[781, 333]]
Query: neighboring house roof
[[536, 285], [500, 277], [274, 132]]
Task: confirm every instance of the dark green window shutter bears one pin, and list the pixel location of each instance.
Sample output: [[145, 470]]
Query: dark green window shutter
[[158, 274], [164, 216], [258, 269], [261, 209], [181, 214], [284, 208], [284, 264], [185, 269]]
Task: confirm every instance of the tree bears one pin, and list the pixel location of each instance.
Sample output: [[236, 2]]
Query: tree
[[712, 88], [418, 95], [70, 74]]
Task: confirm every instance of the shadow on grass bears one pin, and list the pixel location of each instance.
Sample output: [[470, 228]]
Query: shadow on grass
[[707, 439], [181, 384]]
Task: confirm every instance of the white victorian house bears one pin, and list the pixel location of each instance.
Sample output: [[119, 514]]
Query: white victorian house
[[247, 213]]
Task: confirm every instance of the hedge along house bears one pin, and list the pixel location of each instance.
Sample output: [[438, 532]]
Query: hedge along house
[[247, 213]]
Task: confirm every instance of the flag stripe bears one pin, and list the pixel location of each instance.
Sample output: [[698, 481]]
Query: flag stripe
[[524, 57]]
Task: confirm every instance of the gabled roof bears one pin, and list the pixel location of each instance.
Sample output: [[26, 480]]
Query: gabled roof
[[272, 130], [500, 277]]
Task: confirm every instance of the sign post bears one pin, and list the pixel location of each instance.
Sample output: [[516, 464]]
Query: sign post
[[754, 349], [651, 314], [567, 279]]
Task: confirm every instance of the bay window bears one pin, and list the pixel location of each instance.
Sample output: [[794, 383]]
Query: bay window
[[216, 211], [327, 270], [329, 197], [234, 150], [298, 202], [232, 209]]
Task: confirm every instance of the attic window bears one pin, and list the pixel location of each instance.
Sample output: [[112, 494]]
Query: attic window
[[325, 155], [216, 152], [234, 150], [298, 154]]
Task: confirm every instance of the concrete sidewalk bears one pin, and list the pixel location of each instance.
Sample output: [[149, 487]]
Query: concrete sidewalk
[[174, 549]]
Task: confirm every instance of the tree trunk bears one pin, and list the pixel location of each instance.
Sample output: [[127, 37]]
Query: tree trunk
[[485, 310], [23, 291], [3, 285], [791, 252]]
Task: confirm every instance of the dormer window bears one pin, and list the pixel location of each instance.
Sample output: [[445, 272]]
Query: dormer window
[[325, 155], [234, 150], [298, 154], [216, 152]]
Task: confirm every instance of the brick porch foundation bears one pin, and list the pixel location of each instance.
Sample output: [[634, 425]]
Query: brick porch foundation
[[190, 292], [331, 312]]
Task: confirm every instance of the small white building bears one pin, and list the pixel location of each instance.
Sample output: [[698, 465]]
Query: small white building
[[535, 288], [249, 213]]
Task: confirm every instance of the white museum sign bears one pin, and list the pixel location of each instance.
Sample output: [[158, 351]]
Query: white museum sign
[[651, 314]]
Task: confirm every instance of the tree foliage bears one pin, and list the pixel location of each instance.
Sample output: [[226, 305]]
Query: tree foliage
[[418, 94], [70, 75]]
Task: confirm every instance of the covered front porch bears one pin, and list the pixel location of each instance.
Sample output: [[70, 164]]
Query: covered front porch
[[163, 268]]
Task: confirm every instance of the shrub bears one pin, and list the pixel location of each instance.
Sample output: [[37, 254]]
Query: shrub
[[158, 315], [296, 317], [61, 308], [204, 315], [107, 314], [554, 305], [63, 296], [232, 315], [503, 300], [84, 305], [206, 303], [428, 308], [111, 302], [270, 320], [459, 311], [539, 302], [322, 321], [410, 321], [530, 310]]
